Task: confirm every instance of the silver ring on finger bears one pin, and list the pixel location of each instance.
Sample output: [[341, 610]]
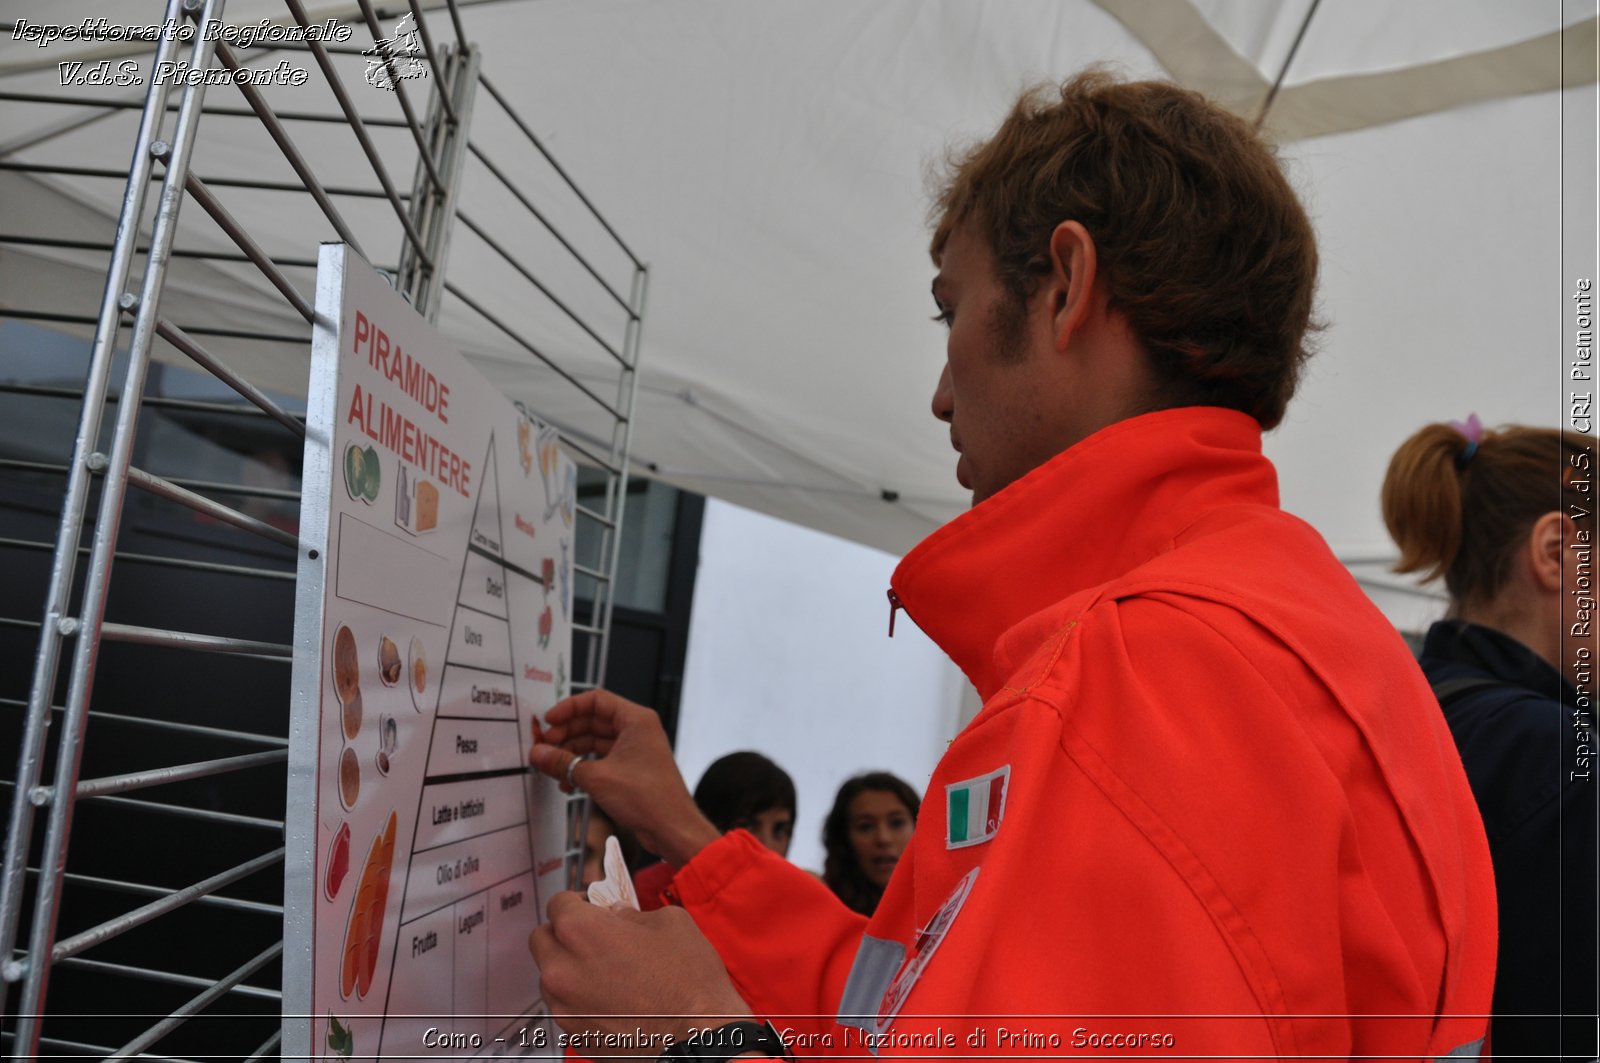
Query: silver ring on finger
[[572, 766]]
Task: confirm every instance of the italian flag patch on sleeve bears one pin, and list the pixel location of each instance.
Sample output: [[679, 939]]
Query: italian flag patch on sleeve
[[974, 808]]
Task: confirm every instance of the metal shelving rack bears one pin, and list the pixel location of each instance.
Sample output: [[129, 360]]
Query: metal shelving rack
[[73, 625]]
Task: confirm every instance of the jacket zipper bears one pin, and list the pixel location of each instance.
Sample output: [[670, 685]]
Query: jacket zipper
[[894, 607]]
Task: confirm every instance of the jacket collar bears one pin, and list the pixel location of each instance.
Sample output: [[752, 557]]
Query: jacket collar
[[1097, 510], [1488, 650]]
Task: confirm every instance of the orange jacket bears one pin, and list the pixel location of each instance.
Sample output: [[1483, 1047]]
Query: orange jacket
[[1209, 806]]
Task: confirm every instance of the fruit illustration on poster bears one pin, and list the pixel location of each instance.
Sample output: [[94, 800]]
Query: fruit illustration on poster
[[363, 474], [338, 862]]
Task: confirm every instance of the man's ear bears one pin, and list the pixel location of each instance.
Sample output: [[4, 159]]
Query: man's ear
[[1546, 545], [1073, 269]]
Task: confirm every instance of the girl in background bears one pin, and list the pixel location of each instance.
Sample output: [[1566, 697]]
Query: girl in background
[[1507, 518], [739, 791], [865, 833]]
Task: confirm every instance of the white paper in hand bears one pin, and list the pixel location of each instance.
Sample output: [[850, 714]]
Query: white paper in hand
[[616, 889]]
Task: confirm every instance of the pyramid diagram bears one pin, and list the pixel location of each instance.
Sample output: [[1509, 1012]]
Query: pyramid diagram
[[469, 901]]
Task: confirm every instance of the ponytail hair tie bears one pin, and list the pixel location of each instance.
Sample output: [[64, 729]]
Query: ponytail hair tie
[[1472, 431]]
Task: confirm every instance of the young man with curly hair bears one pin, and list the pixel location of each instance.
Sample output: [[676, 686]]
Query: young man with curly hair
[[1209, 807]]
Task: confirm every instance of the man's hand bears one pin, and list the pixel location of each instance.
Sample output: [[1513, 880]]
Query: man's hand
[[635, 780], [614, 971]]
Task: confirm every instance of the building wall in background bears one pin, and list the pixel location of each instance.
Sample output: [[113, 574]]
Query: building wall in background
[[789, 655]]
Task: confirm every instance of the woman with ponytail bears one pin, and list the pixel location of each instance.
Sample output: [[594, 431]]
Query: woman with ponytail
[[1506, 517]]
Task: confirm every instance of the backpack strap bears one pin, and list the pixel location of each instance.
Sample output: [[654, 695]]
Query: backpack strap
[[1451, 689]]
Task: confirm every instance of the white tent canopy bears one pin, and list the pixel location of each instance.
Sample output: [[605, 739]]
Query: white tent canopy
[[770, 160]]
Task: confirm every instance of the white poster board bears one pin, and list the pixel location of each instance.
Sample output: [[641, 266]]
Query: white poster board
[[433, 631]]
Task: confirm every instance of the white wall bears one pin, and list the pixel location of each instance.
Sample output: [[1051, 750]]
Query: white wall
[[788, 655]]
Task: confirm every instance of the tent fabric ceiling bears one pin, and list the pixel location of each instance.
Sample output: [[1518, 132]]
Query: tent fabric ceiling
[[771, 162]]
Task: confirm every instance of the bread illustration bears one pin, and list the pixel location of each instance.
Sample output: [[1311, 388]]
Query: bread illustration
[[427, 506]]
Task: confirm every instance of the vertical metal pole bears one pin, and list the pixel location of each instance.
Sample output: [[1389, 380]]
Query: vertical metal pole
[[53, 861], [434, 209], [621, 448], [299, 820], [412, 275], [451, 161], [58, 598]]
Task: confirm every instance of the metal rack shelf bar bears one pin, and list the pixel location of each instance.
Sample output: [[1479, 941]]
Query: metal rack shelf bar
[[86, 1050], [218, 567], [587, 444], [281, 493], [531, 349], [214, 180], [549, 226], [195, 330], [291, 154], [548, 294], [145, 974], [333, 47], [155, 402], [587, 629], [189, 728], [154, 559], [101, 245], [343, 191], [34, 466], [592, 573], [516, 118], [69, 171], [198, 1004], [166, 725], [455, 20], [235, 232], [111, 928], [211, 900], [267, 1046], [232, 819], [598, 518], [141, 780], [246, 390], [594, 459], [188, 640], [155, 485], [358, 126], [220, 112]]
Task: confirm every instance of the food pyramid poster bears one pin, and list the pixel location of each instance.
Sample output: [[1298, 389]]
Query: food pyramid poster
[[433, 631]]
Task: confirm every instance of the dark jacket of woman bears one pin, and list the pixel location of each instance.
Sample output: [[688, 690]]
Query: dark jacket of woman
[[1528, 745]]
